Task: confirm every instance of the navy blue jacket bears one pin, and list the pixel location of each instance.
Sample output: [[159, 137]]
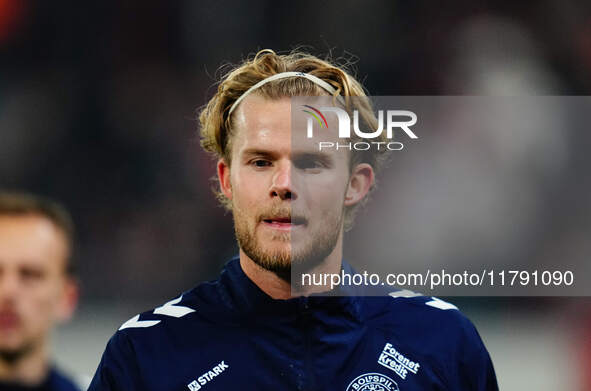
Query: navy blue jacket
[[59, 382], [227, 335]]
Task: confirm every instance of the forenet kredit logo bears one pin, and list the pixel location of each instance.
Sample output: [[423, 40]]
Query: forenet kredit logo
[[373, 382], [388, 122]]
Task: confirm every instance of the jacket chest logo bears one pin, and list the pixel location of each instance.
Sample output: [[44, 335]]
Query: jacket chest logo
[[392, 359], [208, 376], [372, 382]]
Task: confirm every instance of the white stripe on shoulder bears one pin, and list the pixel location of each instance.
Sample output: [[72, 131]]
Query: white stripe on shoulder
[[405, 293], [176, 311], [135, 322], [442, 305], [168, 309]]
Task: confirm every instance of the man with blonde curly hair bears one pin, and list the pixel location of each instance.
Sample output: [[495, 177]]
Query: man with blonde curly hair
[[256, 327]]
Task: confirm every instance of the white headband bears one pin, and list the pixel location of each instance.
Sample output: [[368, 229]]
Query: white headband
[[312, 78]]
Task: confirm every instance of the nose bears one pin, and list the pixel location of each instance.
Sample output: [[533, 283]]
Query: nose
[[282, 186]]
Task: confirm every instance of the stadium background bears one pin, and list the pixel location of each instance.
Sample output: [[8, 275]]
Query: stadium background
[[97, 109]]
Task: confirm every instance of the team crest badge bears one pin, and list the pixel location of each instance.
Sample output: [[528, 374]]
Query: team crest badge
[[373, 382]]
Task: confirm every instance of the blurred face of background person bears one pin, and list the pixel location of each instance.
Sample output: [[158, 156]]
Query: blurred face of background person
[[36, 292]]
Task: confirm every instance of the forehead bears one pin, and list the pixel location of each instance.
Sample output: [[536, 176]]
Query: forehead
[[275, 124], [262, 121], [31, 238]]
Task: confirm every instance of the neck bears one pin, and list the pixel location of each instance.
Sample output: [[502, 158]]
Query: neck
[[279, 289], [31, 369]]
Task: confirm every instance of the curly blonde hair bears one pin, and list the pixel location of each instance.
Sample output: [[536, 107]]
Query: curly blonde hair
[[216, 122]]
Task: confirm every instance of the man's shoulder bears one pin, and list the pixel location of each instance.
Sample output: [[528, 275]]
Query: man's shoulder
[[412, 303], [175, 313], [188, 316], [169, 339], [426, 317], [156, 332], [435, 331]]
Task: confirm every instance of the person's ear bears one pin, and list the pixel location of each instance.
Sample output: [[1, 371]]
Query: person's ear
[[224, 178], [360, 182], [69, 299]]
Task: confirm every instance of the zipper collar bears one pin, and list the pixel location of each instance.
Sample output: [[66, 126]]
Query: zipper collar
[[245, 298]]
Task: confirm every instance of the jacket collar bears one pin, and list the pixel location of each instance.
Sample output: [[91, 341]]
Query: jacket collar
[[245, 298]]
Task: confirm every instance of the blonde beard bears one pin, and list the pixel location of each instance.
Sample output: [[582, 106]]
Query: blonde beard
[[280, 262]]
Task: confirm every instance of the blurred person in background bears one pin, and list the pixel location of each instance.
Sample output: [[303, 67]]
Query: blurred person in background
[[255, 327], [38, 290]]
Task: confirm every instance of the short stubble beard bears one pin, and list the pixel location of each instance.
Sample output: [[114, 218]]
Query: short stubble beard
[[312, 254]]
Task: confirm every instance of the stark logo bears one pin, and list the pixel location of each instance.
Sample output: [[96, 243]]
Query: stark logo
[[373, 382], [208, 376]]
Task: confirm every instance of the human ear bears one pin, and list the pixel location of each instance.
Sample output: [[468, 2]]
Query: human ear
[[360, 182], [223, 170]]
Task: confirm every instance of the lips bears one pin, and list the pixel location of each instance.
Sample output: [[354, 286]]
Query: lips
[[283, 222], [278, 220]]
